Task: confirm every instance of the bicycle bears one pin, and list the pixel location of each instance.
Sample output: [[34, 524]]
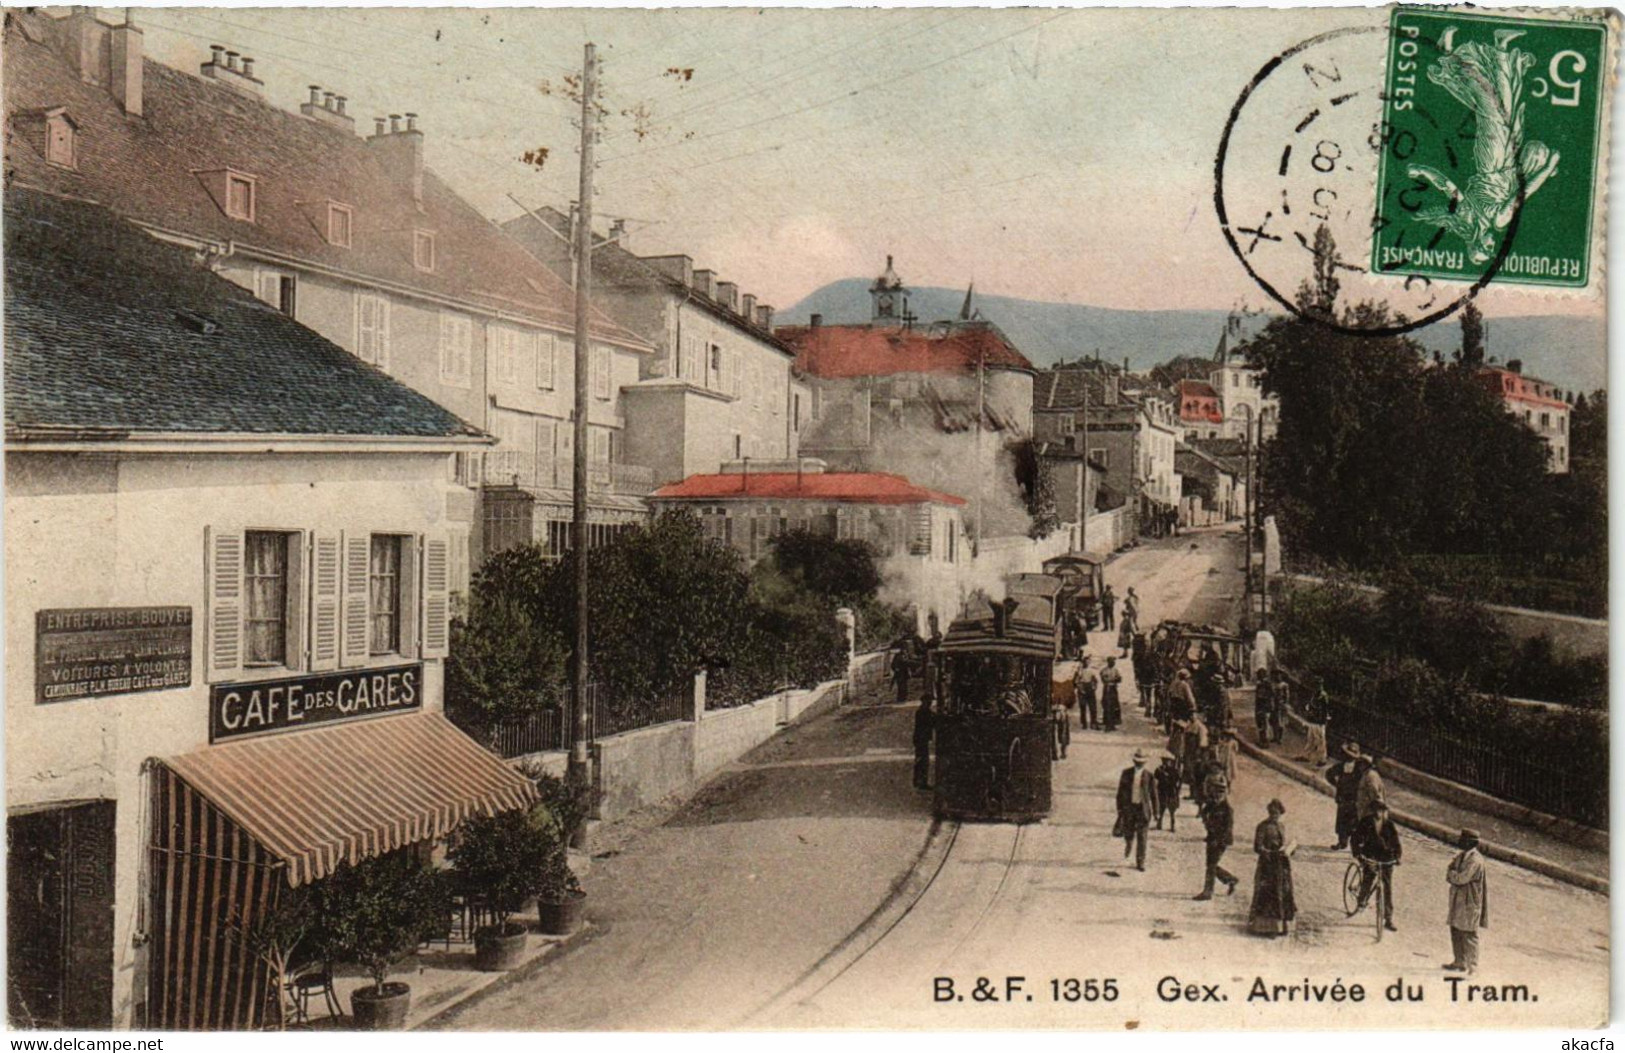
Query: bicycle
[[1354, 878]]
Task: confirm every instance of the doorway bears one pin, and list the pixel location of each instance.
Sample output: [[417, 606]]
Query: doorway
[[59, 917]]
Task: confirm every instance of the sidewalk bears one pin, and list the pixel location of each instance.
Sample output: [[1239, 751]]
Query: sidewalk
[[705, 909], [1503, 832]]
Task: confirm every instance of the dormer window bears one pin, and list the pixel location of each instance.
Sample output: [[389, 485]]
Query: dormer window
[[423, 250], [339, 219], [240, 195], [61, 140]]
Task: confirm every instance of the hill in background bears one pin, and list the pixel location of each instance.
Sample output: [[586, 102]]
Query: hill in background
[[1569, 351]]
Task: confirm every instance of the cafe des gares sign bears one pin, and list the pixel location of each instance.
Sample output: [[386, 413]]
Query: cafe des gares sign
[[261, 706]]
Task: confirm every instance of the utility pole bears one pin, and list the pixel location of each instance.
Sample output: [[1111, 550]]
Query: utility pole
[[578, 772], [1247, 512], [981, 473]]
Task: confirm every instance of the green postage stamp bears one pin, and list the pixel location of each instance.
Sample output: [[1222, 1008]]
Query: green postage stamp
[[1491, 130]]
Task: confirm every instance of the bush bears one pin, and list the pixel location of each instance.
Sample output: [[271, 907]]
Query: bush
[[501, 668], [562, 806], [375, 913], [500, 858]]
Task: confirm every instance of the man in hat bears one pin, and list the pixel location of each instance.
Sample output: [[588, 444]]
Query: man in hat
[[1198, 751], [1136, 805], [1344, 775], [1469, 904], [1377, 847], [1220, 823], [1370, 792], [1167, 777], [1086, 688], [1316, 711], [1108, 605]]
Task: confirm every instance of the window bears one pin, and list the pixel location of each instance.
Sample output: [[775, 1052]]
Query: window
[[265, 607], [456, 349], [601, 445], [372, 329], [546, 348], [1069, 425], [278, 290], [240, 196], [600, 372], [384, 594], [795, 410], [509, 346], [1101, 454], [423, 250], [714, 380], [339, 218], [60, 141]]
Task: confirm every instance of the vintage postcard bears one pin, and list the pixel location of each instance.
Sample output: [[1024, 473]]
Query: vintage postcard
[[591, 519]]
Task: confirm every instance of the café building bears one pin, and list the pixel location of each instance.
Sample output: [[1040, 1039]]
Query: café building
[[227, 610]]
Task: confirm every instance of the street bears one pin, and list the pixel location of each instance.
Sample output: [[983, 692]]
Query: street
[[1048, 903]]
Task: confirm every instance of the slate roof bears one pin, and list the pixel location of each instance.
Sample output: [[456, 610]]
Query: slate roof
[[154, 170], [111, 330], [846, 351], [878, 488]]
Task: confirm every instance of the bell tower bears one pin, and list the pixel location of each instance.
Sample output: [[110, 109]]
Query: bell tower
[[888, 298]]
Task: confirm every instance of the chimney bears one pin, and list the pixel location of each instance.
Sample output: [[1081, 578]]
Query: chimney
[[815, 321], [401, 149], [229, 73], [327, 108], [1515, 365], [706, 282], [677, 267], [617, 232], [747, 307], [84, 40], [764, 316], [728, 295], [127, 66]]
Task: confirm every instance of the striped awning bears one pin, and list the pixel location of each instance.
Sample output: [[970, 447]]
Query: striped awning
[[319, 798]]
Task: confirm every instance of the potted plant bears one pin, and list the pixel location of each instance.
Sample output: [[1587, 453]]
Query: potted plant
[[560, 900], [376, 912], [496, 859], [564, 806]]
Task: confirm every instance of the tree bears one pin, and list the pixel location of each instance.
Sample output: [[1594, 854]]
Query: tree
[[377, 911], [1183, 367], [276, 938], [841, 569], [501, 668], [1471, 353]]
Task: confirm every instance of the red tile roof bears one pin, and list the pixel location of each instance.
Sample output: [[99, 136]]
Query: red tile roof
[[153, 170], [843, 351], [1521, 388], [874, 488]]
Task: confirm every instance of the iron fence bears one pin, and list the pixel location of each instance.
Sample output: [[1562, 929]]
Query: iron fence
[[551, 728], [1570, 793]]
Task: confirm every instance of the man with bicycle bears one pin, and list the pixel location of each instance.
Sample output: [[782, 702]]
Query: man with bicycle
[[1376, 846]]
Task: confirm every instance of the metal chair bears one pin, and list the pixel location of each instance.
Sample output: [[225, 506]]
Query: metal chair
[[313, 981]]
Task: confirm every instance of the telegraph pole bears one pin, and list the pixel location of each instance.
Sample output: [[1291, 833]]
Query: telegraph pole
[[578, 767]]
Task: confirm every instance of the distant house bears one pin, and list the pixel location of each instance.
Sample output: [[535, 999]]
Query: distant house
[[748, 509], [1212, 490], [1240, 390], [1201, 412], [1535, 402], [719, 385], [938, 402]]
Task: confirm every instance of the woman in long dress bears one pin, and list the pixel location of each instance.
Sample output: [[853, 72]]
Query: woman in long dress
[[1274, 906]]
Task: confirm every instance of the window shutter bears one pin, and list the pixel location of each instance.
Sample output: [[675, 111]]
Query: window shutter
[[436, 598], [380, 338], [410, 610], [295, 621], [353, 608], [224, 649], [324, 603]]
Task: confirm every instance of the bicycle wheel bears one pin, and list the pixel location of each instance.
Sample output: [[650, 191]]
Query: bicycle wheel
[[1351, 888]]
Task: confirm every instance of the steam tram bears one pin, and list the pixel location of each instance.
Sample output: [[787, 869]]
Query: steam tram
[[993, 729]]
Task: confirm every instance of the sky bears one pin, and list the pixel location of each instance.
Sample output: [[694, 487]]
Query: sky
[[1062, 155]]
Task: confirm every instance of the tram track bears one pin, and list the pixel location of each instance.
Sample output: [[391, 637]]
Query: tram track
[[869, 936]]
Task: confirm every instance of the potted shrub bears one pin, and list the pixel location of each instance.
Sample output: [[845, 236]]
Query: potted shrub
[[496, 859], [564, 807], [276, 937], [375, 914], [560, 900]]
